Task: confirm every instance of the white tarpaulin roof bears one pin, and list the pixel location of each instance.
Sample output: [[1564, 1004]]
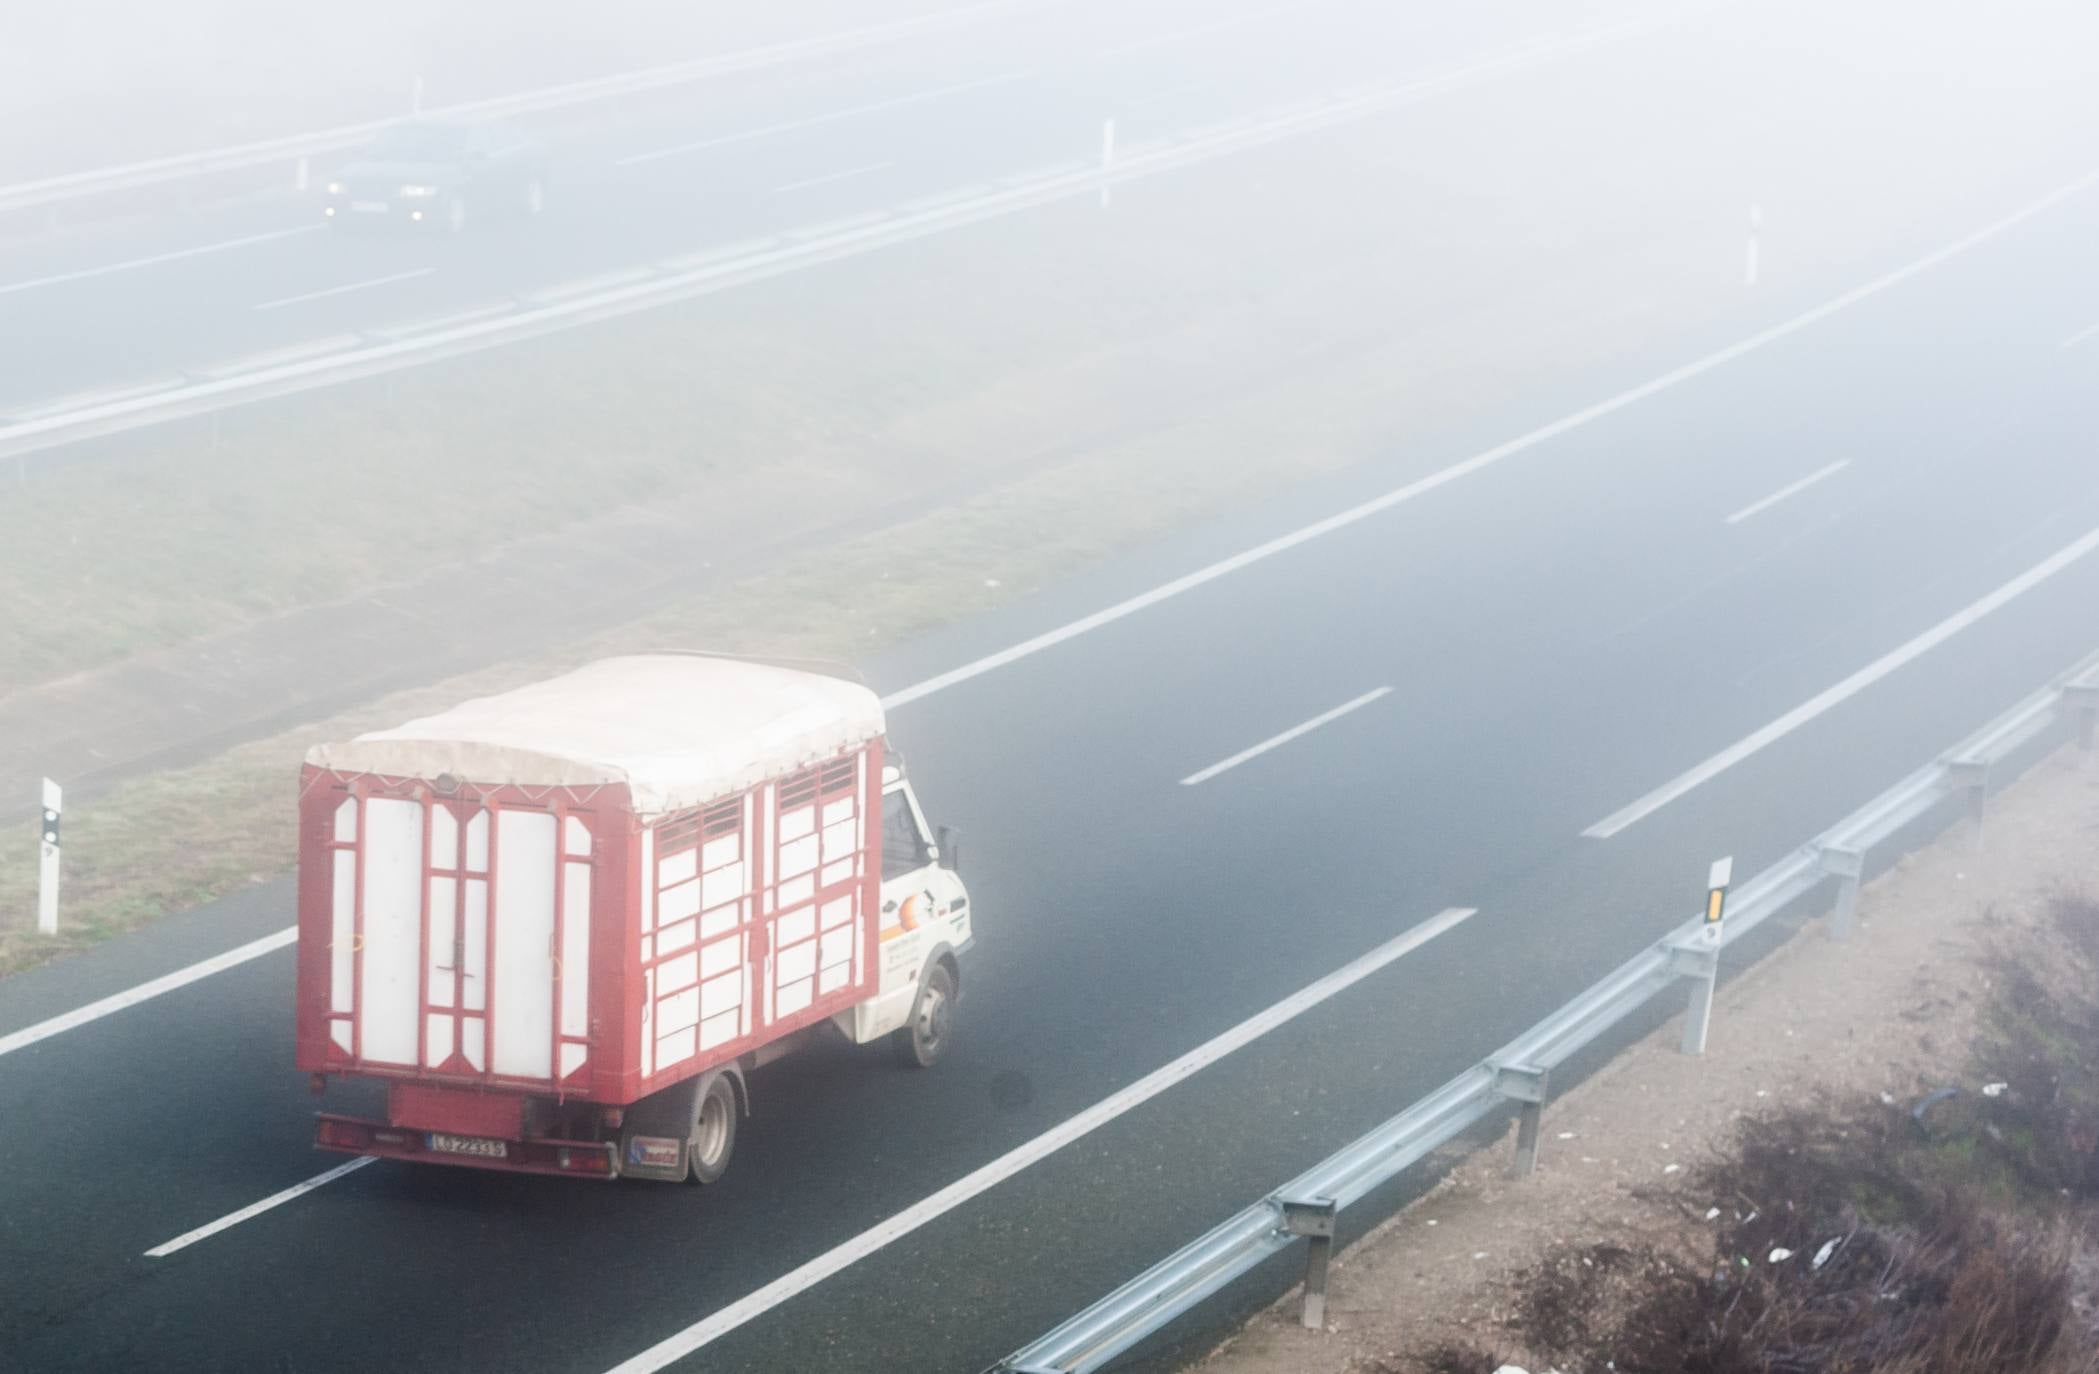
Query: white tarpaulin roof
[[679, 729]]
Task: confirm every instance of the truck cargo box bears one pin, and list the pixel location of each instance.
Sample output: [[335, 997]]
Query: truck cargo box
[[592, 887]]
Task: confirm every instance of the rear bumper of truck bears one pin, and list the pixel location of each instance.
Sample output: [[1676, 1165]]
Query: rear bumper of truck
[[567, 1158]]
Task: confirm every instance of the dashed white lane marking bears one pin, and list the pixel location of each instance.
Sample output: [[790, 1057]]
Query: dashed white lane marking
[[830, 177], [813, 121], [346, 288], [1793, 489], [1275, 741], [178, 254]]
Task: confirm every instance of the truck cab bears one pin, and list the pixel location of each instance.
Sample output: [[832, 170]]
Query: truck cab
[[924, 930]]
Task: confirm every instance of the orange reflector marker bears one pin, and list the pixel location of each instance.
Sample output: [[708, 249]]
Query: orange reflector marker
[[1716, 883]]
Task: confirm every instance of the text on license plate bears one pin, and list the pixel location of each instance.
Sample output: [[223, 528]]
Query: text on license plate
[[369, 207], [468, 1145]]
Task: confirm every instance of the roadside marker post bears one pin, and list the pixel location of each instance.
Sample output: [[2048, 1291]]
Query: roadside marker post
[[47, 861], [1718, 879], [1699, 958]]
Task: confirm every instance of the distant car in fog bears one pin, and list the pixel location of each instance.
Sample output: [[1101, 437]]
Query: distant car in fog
[[438, 174]]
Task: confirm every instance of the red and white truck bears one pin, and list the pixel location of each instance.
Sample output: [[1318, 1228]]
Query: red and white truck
[[563, 924]]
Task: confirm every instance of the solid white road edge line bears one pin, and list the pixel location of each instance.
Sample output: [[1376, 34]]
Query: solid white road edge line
[[1323, 718], [344, 289], [963, 1189], [1424, 485], [1167, 591], [1794, 489], [95, 1011], [205, 1232], [2080, 336], [1849, 687], [179, 253]]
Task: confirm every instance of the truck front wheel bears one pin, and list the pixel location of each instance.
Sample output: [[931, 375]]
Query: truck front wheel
[[921, 1041], [713, 1131]]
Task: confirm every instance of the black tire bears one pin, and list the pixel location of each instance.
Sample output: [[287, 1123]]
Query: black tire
[[535, 198], [921, 1041], [455, 214], [713, 1140]]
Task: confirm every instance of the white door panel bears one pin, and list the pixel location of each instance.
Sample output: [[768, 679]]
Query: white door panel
[[523, 977], [390, 994]]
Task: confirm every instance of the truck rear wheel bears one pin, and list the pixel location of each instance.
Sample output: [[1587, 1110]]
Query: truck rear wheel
[[713, 1132], [920, 1042]]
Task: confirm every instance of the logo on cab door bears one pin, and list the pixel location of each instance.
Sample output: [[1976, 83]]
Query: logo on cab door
[[917, 909], [911, 913]]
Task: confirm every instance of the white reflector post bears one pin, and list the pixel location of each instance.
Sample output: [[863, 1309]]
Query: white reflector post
[[47, 863]]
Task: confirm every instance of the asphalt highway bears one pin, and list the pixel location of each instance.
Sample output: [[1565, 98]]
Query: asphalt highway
[[207, 284], [1554, 629]]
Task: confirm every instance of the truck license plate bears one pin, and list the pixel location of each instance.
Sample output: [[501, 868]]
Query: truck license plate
[[368, 207], [468, 1145]]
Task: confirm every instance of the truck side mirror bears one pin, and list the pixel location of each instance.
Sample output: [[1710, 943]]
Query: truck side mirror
[[950, 848]]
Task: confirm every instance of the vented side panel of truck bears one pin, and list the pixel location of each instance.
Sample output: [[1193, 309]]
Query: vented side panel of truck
[[757, 915]]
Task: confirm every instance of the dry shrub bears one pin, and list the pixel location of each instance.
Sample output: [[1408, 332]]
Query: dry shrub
[[1919, 1277], [2041, 1039], [1564, 1296], [1964, 1242]]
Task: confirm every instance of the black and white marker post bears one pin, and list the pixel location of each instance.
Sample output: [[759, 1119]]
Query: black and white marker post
[[47, 865]]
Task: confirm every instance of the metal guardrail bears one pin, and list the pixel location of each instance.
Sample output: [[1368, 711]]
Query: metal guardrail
[[289, 149], [560, 307], [1305, 1207]]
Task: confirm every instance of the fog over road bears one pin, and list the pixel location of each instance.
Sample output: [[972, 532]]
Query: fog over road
[[1544, 665]]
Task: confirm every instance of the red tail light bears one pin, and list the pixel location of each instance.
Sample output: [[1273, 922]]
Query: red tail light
[[341, 1135], [582, 1160]]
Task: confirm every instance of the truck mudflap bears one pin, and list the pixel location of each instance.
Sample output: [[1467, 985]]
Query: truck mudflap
[[567, 1158], [657, 1136]]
